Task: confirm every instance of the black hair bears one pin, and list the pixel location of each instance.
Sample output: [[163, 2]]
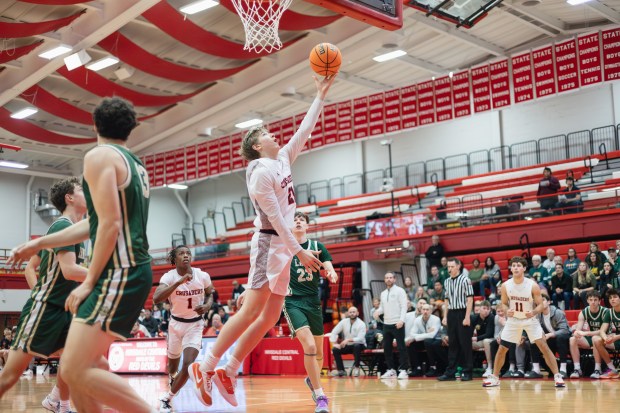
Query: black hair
[[303, 215], [547, 169], [60, 189], [172, 255], [115, 118], [612, 291]]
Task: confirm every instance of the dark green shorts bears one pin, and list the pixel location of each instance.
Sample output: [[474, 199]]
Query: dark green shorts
[[117, 299], [589, 340], [304, 312], [42, 329]]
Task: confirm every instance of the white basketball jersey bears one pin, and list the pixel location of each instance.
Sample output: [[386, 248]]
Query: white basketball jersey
[[187, 295], [520, 297]]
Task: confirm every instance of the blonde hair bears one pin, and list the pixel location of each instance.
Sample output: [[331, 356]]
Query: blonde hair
[[250, 139]]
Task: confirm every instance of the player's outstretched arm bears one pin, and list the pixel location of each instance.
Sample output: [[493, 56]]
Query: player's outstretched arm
[[71, 270], [330, 272]]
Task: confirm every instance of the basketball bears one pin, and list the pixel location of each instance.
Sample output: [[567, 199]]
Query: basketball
[[325, 59]]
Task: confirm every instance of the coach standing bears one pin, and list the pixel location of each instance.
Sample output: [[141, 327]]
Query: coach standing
[[456, 314]]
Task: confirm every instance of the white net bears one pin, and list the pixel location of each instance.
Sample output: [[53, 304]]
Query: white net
[[261, 19]]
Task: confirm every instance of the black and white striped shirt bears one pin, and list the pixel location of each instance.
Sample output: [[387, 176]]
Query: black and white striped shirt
[[457, 291]]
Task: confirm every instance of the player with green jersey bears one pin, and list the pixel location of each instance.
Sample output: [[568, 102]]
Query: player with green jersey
[[44, 322], [302, 306], [608, 339], [593, 315]]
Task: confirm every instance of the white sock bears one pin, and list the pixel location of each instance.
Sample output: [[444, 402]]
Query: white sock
[[611, 366], [577, 366], [319, 392], [232, 366], [170, 395], [209, 363], [563, 367], [512, 367], [65, 406], [597, 366], [536, 367], [55, 393]]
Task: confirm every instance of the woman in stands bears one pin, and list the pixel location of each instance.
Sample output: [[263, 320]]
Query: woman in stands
[[409, 288], [595, 265], [599, 254], [572, 262], [583, 282], [607, 280], [492, 275]]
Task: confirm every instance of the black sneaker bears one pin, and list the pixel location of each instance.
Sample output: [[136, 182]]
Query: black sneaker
[[432, 372], [533, 375], [517, 374], [446, 377], [417, 373], [508, 374]]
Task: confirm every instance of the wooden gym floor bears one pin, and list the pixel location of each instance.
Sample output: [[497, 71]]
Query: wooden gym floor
[[270, 394]]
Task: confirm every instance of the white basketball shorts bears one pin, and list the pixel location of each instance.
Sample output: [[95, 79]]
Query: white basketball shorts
[[513, 330], [270, 262], [183, 335]]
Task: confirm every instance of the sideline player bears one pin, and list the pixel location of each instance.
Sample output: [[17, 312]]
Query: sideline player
[[607, 339], [186, 288], [519, 294], [119, 279], [44, 322], [593, 315], [302, 308], [270, 186]]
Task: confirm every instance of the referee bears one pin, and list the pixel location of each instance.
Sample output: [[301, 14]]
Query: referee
[[456, 314]]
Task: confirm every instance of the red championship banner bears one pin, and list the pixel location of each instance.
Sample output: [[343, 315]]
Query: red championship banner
[[160, 166], [288, 130], [138, 356], [409, 106], [426, 103], [544, 71], [149, 165], [276, 129], [611, 54], [566, 69], [171, 170], [190, 163], [443, 98], [330, 124], [237, 159], [590, 59], [317, 139], [360, 118], [522, 79], [500, 84], [376, 111], [225, 154], [214, 157], [202, 160], [461, 98], [345, 121], [393, 118], [179, 165], [481, 88]]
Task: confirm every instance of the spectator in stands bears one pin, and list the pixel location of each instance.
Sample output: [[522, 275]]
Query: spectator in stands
[[139, 331], [539, 273], [443, 270], [593, 316], [236, 292], [572, 262], [376, 304], [608, 340], [595, 265], [5, 345], [484, 329], [142, 314], [557, 260], [437, 352], [491, 346], [549, 263], [420, 294], [151, 323], [409, 288], [165, 317], [157, 312], [438, 294], [224, 316], [493, 274], [435, 276], [595, 249], [561, 287], [435, 252], [547, 187], [607, 280], [557, 334], [216, 326], [427, 326], [477, 305], [583, 282], [613, 259], [353, 330], [393, 307], [475, 275], [344, 312], [570, 198]]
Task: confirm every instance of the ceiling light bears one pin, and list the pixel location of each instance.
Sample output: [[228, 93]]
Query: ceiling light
[[177, 186], [16, 165], [124, 72], [56, 51], [198, 6], [576, 2], [389, 56], [24, 113], [77, 59], [102, 63], [249, 123], [451, 74]]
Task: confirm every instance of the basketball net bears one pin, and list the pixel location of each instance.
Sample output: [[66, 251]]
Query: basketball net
[[261, 19]]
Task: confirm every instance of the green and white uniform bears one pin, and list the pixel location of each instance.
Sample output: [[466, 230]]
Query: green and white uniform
[[124, 286], [613, 318], [302, 306], [44, 323], [594, 320]]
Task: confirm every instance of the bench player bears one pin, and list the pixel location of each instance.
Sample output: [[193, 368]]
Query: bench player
[[608, 339]]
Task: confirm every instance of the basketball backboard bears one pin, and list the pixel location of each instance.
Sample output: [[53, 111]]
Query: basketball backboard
[[385, 14], [464, 13]]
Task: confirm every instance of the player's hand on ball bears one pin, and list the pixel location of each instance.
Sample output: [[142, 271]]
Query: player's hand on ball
[[77, 296]]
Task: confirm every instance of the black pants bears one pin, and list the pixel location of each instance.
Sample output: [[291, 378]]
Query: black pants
[[355, 349], [558, 344], [459, 338], [416, 355], [437, 354], [390, 332], [512, 352]]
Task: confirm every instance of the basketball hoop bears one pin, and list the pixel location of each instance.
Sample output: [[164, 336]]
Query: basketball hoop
[[261, 19]]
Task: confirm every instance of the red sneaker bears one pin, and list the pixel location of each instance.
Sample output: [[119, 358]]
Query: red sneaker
[[202, 383], [226, 385]]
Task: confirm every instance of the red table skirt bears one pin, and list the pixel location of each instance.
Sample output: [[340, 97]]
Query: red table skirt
[[283, 355]]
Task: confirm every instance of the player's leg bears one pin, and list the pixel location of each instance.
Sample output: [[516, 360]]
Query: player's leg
[[305, 337], [318, 342], [600, 350], [575, 344], [16, 363], [536, 334], [174, 345], [189, 355], [191, 344]]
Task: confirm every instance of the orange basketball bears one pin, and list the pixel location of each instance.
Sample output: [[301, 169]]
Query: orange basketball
[[325, 59]]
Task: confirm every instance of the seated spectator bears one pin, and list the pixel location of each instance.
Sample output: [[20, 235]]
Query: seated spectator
[[151, 323], [5, 345], [491, 346], [157, 312], [427, 326], [475, 274], [547, 188], [583, 282], [418, 308], [572, 262], [561, 287], [608, 340], [376, 304], [443, 270], [437, 353], [420, 294], [557, 260], [409, 288], [236, 292], [593, 317], [216, 326], [484, 329], [224, 316], [557, 334], [165, 317], [595, 249], [549, 264], [539, 273], [438, 294], [607, 279], [139, 331], [595, 265], [477, 305], [613, 259], [435, 276], [353, 330], [492, 276], [569, 200]]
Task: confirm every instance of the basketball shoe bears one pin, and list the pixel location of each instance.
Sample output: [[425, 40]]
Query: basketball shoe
[[559, 380], [491, 381], [322, 405], [203, 386], [226, 385]]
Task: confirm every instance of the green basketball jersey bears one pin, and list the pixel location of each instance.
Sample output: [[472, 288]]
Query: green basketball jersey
[[132, 246], [613, 318], [302, 283], [595, 320], [52, 287]]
